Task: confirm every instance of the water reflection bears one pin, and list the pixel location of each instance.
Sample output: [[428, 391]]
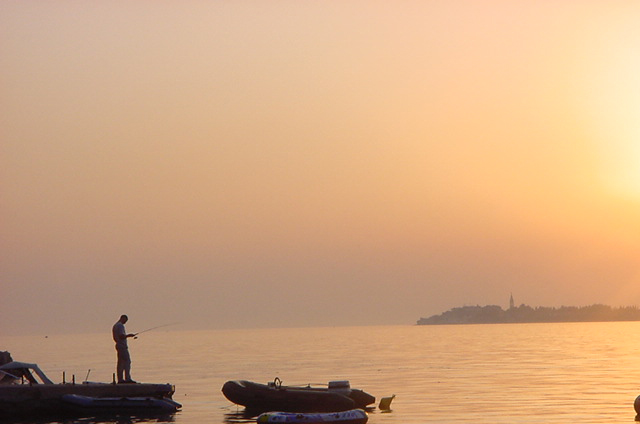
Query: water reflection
[[106, 418], [241, 416], [498, 374], [121, 419]]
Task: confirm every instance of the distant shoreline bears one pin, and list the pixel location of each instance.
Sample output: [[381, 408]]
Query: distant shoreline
[[493, 314]]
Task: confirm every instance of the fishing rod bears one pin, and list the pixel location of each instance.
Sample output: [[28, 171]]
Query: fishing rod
[[135, 335]]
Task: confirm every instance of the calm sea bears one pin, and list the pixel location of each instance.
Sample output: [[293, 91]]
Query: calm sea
[[511, 373]]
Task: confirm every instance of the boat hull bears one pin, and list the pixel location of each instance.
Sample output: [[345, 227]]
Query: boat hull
[[353, 416], [46, 399], [263, 398], [78, 403]]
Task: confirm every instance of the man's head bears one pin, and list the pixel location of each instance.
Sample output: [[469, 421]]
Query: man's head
[[124, 319]]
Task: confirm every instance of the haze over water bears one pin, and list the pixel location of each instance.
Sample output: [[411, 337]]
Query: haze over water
[[232, 166], [580, 373]]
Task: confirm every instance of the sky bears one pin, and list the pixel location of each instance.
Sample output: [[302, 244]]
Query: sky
[[252, 164]]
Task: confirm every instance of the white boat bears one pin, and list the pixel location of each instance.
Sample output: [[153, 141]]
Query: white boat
[[353, 416]]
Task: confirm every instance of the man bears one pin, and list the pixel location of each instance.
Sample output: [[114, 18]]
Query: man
[[124, 360]]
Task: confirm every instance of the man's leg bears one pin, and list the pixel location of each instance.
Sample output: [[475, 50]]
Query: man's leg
[[124, 364], [127, 368]]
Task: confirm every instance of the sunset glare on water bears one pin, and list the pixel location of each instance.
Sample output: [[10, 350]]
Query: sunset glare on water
[[248, 164]]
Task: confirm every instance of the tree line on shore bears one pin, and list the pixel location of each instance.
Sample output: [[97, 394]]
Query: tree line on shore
[[493, 314]]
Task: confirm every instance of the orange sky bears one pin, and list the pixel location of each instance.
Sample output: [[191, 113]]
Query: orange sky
[[252, 164]]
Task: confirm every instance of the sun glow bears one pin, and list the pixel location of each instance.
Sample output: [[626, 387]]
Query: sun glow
[[613, 93], [623, 173]]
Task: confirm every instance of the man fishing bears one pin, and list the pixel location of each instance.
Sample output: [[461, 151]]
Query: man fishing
[[124, 359]]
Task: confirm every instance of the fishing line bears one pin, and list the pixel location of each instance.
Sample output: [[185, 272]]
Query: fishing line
[[135, 335]]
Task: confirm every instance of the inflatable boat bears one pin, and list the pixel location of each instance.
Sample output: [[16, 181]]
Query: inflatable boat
[[353, 416], [274, 396], [119, 404]]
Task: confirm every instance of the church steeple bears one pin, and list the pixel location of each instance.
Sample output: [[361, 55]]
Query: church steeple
[[511, 303]]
